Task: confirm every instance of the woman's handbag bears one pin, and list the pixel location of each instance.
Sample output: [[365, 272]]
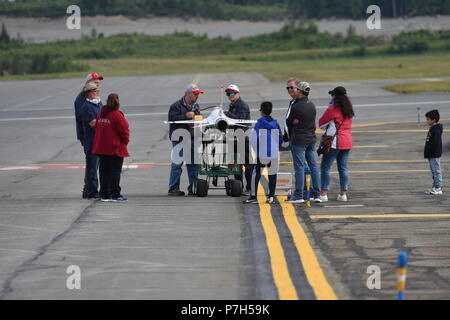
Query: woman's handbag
[[326, 142]]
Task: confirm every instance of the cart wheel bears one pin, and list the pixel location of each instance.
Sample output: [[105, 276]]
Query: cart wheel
[[202, 188], [228, 187], [236, 188]]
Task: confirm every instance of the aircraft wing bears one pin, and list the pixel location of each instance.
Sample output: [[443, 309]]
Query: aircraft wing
[[235, 122], [186, 122]]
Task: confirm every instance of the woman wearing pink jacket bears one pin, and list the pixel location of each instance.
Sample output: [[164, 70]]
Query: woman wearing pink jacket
[[339, 116]]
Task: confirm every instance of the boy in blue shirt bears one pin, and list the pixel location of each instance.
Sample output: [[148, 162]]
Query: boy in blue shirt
[[266, 140]]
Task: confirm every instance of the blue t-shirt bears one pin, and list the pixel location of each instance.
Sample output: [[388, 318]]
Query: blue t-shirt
[[89, 112]]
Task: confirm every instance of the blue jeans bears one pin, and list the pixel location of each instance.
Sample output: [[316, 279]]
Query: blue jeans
[[435, 165], [327, 162], [176, 170], [302, 155], [91, 176]]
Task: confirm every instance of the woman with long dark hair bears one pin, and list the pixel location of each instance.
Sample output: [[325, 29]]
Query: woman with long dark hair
[[337, 120], [110, 144]]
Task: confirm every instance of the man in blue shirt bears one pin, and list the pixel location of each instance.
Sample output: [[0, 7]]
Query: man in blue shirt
[[89, 113], [78, 105]]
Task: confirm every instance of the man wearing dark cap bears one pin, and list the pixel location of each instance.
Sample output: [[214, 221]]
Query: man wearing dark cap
[[240, 110], [184, 109], [78, 104]]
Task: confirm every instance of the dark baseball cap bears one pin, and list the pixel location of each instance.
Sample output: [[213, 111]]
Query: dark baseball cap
[[338, 91]]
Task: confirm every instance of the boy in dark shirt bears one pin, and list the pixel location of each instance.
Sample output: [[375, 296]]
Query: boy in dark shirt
[[433, 150]]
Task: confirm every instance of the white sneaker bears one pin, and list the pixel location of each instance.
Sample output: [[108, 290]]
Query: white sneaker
[[342, 198], [435, 191], [295, 201], [318, 199], [270, 200], [324, 198]]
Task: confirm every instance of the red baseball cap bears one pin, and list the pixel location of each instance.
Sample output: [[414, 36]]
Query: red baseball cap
[[93, 76], [194, 89]]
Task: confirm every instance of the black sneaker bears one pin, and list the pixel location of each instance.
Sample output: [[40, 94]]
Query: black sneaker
[[94, 197], [251, 200], [192, 194], [120, 199], [176, 193]]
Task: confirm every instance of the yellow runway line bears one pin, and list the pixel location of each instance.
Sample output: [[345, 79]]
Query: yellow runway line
[[313, 271], [280, 271], [375, 124], [380, 216]]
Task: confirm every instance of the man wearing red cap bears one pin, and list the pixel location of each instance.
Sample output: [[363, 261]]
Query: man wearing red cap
[[184, 109], [79, 102]]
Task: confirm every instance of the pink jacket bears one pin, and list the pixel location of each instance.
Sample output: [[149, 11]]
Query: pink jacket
[[344, 138]]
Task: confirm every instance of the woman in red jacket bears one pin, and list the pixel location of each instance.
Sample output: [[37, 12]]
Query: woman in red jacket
[[110, 144], [339, 116]]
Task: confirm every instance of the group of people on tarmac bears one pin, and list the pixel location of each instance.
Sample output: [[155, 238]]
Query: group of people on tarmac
[[299, 133], [104, 134]]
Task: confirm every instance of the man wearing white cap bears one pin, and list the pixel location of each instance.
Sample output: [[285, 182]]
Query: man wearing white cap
[[184, 109], [240, 110], [78, 104]]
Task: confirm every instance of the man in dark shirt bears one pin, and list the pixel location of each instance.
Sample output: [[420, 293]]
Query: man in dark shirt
[[240, 110], [301, 131], [184, 109]]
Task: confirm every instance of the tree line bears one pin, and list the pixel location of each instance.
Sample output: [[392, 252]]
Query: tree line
[[226, 9]]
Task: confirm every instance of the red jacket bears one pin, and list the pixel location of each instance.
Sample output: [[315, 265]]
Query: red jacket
[[112, 134], [344, 137]]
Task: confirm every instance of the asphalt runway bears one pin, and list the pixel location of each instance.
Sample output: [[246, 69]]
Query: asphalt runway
[[155, 247]]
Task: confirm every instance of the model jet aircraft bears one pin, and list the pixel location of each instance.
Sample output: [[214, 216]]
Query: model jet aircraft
[[216, 120]]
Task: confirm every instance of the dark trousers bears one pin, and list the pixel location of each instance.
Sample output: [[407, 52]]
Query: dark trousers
[[110, 171], [91, 177], [248, 167], [256, 176], [248, 176]]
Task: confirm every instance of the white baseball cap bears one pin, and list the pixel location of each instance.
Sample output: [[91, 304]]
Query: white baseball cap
[[232, 87]]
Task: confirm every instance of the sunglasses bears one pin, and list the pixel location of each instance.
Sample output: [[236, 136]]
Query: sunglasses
[[231, 93], [291, 88]]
